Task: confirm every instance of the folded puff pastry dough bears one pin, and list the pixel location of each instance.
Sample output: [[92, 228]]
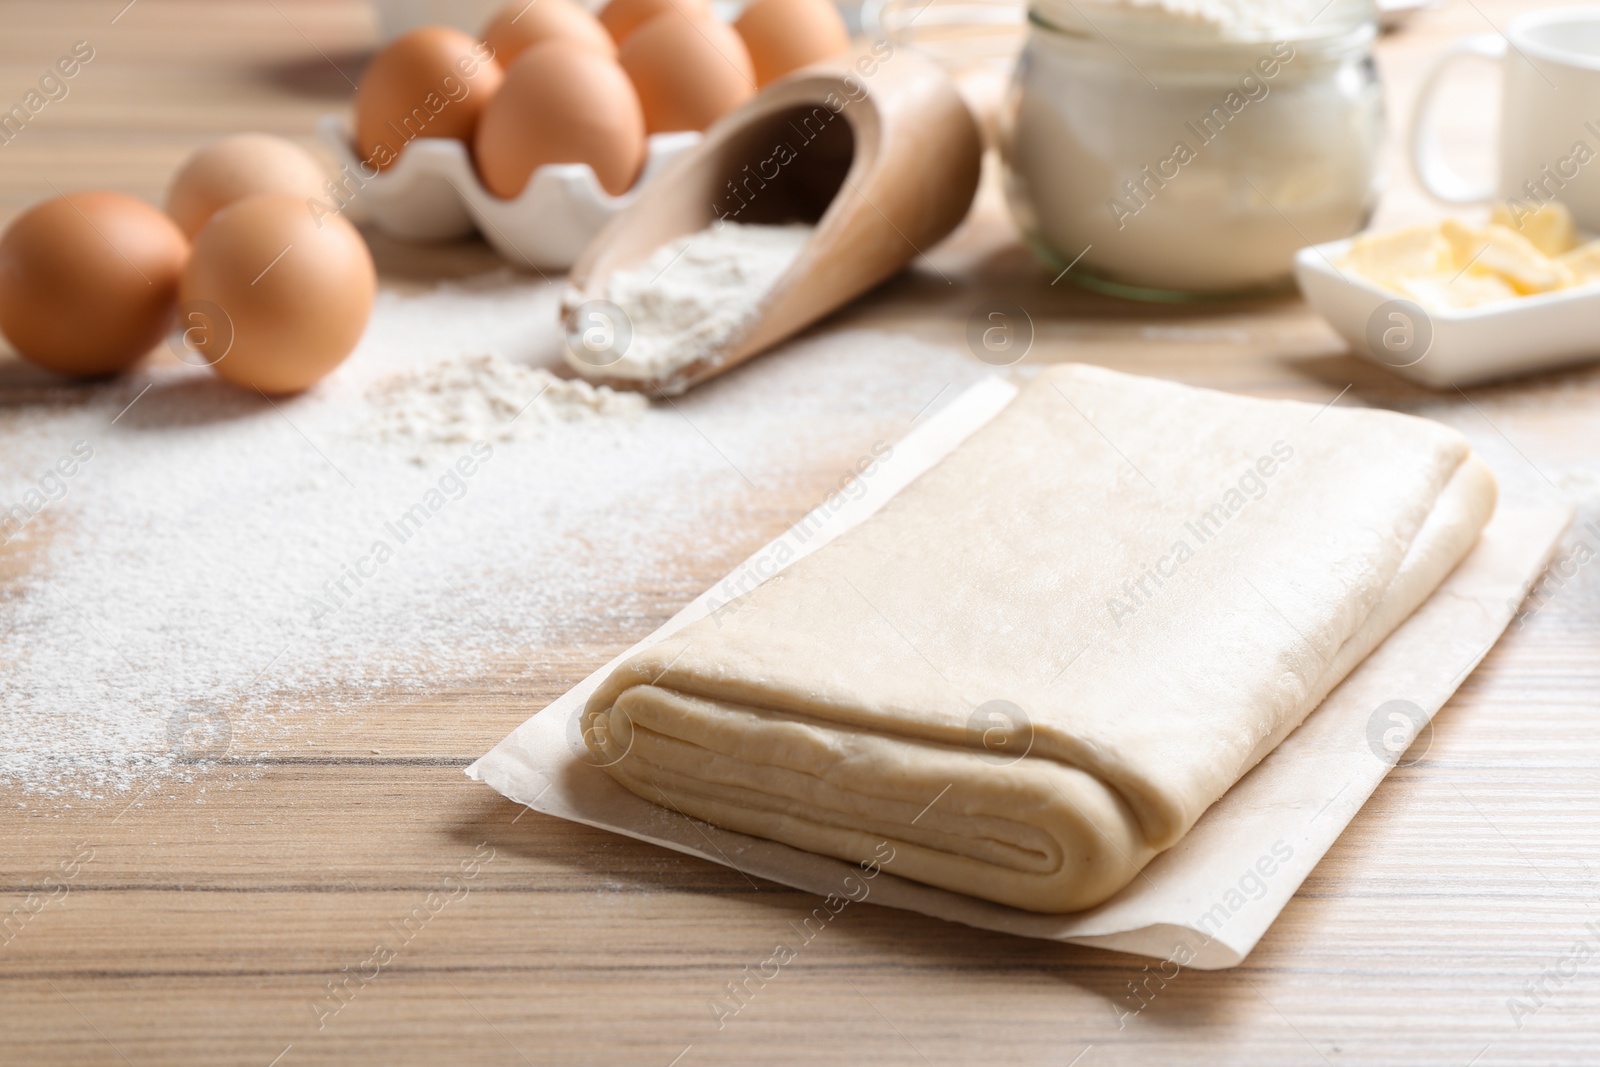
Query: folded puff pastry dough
[[1156, 584]]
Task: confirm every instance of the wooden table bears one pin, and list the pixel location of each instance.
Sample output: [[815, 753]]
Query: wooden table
[[206, 934]]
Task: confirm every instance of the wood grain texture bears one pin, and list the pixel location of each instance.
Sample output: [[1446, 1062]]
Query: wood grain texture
[[232, 919]]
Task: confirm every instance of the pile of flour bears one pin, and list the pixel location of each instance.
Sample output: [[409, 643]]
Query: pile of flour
[[488, 397], [695, 294], [228, 575]]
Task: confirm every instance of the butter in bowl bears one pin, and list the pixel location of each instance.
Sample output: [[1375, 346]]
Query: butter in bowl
[[1452, 303]]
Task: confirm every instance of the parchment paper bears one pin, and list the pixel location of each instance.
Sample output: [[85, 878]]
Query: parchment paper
[[1204, 903]]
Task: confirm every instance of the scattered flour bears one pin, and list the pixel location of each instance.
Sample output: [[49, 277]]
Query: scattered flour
[[695, 294], [487, 397], [193, 590]]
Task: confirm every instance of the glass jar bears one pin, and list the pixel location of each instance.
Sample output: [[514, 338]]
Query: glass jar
[[1185, 149]]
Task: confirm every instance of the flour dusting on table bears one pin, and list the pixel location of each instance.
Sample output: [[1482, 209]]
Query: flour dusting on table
[[213, 572]]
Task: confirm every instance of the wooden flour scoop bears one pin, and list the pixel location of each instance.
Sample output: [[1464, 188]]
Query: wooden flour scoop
[[885, 164]]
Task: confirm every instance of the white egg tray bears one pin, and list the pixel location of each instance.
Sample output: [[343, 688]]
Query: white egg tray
[[432, 193], [1461, 346]]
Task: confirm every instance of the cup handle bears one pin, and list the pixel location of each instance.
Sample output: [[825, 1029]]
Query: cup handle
[[1436, 175]]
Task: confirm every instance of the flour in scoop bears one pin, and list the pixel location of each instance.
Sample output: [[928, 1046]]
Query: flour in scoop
[[694, 295]]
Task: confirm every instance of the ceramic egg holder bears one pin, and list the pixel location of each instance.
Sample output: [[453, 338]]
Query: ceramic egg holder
[[884, 164], [433, 193]]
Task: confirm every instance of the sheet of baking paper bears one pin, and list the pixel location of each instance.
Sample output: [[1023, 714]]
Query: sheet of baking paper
[[1205, 902]]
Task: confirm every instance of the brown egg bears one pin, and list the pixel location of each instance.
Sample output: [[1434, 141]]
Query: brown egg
[[785, 35], [233, 168], [522, 24], [561, 104], [688, 73], [431, 82], [280, 299], [622, 17], [88, 281]]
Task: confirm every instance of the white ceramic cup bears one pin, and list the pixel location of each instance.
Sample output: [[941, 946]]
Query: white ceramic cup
[[1549, 143]]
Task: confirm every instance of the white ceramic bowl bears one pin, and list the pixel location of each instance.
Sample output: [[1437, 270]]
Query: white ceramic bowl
[[432, 193], [1453, 347]]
